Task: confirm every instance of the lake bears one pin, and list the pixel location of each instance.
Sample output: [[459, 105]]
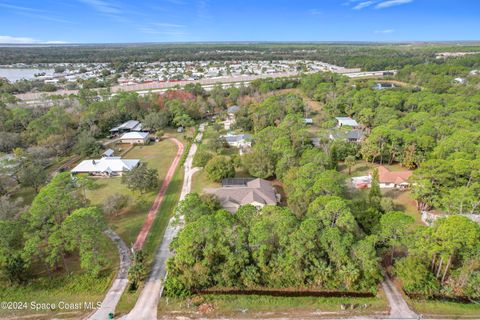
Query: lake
[[14, 74]]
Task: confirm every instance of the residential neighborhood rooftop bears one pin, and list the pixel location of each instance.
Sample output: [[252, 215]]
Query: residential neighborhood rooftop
[[258, 192], [106, 165]]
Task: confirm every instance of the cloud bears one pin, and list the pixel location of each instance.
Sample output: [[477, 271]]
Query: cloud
[[315, 12], [169, 25], [33, 13], [364, 4], [103, 6], [19, 8], [26, 40], [385, 31], [391, 3]]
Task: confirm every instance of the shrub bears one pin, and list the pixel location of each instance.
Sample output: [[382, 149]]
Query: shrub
[[115, 203]]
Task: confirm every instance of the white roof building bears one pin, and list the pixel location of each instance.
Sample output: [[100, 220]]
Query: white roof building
[[106, 166], [134, 135], [346, 121]]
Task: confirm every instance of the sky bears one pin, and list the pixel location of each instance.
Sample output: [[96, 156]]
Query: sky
[[128, 21]]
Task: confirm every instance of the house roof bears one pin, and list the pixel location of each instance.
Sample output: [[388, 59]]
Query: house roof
[[254, 191], [134, 135], [108, 165], [130, 125], [108, 153], [237, 137], [396, 177], [349, 135], [347, 121], [233, 109]]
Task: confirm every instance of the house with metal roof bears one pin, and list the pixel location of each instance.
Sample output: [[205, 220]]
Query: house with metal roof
[[107, 166], [135, 137], [346, 121], [130, 125]]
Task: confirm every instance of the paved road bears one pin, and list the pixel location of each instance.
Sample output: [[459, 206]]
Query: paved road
[[146, 306], [119, 284], [398, 307]]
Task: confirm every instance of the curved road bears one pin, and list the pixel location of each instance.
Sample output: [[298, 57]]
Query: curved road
[[119, 284], [146, 306]]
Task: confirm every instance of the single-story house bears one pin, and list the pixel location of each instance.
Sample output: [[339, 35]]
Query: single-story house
[[346, 121], [387, 179], [243, 140], [107, 166], [383, 85], [135, 137], [393, 179], [238, 192], [129, 126], [232, 110], [354, 135]]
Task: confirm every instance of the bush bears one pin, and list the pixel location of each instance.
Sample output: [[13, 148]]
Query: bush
[[115, 203], [220, 167], [202, 157]]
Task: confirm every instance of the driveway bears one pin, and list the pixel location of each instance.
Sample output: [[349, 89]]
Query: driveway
[[146, 306], [119, 284]]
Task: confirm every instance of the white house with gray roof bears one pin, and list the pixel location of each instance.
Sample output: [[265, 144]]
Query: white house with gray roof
[[107, 166]]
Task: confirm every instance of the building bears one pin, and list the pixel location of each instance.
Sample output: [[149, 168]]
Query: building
[[346, 121], [106, 166], [354, 135], [135, 137], [238, 192], [108, 153], [129, 126], [460, 80], [308, 120], [232, 110], [383, 85], [393, 179], [243, 140], [387, 179]]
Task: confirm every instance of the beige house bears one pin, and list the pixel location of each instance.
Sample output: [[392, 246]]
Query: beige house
[[135, 137], [239, 192]]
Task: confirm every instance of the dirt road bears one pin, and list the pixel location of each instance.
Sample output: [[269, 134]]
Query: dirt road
[[142, 235], [146, 306]]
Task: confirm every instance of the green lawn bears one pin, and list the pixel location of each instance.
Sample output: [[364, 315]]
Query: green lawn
[[128, 223], [71, 287], [253, 306], [201, 181], [442, 309]]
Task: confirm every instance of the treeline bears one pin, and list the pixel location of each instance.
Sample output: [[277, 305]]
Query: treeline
[[365, 56], [319, 241], [434, 130]]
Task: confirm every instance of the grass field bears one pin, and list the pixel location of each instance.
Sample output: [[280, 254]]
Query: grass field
[[128, 223], [201, 181], [254, 306], [445, 309]]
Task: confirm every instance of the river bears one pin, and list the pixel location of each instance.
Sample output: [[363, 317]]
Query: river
[[14, 74]]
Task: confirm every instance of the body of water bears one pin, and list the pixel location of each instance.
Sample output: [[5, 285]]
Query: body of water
[[14, 74]]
